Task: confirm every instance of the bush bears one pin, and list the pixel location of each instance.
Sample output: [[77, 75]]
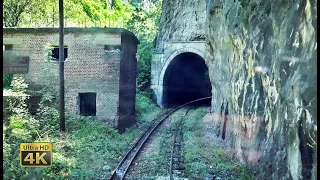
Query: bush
[[146, 109], [144, 104], [18, 85], [49, 79], [7, 78], [144, 56]]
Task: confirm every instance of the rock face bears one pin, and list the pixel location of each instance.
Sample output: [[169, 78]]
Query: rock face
[[262, 62], [261, 57], [182, 30], [181, 20]]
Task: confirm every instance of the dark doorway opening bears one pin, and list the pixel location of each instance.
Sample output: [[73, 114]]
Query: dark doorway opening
[[186, 79], [87, 104]]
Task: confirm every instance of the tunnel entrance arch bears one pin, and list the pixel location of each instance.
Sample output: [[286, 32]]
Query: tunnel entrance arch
[[185, 78]]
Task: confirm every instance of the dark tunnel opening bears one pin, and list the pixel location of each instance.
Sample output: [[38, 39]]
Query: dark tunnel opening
[[186, 79]]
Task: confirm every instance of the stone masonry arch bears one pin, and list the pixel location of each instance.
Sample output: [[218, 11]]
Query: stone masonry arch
[[175, 54], [161, 61]]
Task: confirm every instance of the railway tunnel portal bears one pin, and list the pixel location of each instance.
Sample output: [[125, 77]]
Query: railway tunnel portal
[[179, 74], [186, 79]]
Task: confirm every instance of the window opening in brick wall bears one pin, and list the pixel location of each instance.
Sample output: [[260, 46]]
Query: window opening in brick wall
[[55, 52], [87, 104], [112, 47]]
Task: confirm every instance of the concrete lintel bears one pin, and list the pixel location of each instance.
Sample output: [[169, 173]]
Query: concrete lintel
[[9, 41], [109, 41], [55, 30], [171, 42]]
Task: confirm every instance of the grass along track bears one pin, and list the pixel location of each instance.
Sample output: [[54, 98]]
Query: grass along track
[[125, 163]]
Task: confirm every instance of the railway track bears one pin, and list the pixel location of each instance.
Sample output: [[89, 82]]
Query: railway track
[[177, 158], [120, 171]]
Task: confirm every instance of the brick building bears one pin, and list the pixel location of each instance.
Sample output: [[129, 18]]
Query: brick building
[[100, 68]]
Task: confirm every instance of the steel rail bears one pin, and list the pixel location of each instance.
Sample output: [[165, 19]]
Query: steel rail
[[114, 175]]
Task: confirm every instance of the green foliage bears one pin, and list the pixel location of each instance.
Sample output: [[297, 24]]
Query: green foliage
[[18, 85], [48, 48], [49, 119], [49, 77], [92, 10], [7, 78], [15, 102], [75, 157], [43, 128], [144, 23], [144, 57], [12, 10], [102, 13], [146, 109], [92, 139], [48, 11], [83, 13], [18, 127]]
